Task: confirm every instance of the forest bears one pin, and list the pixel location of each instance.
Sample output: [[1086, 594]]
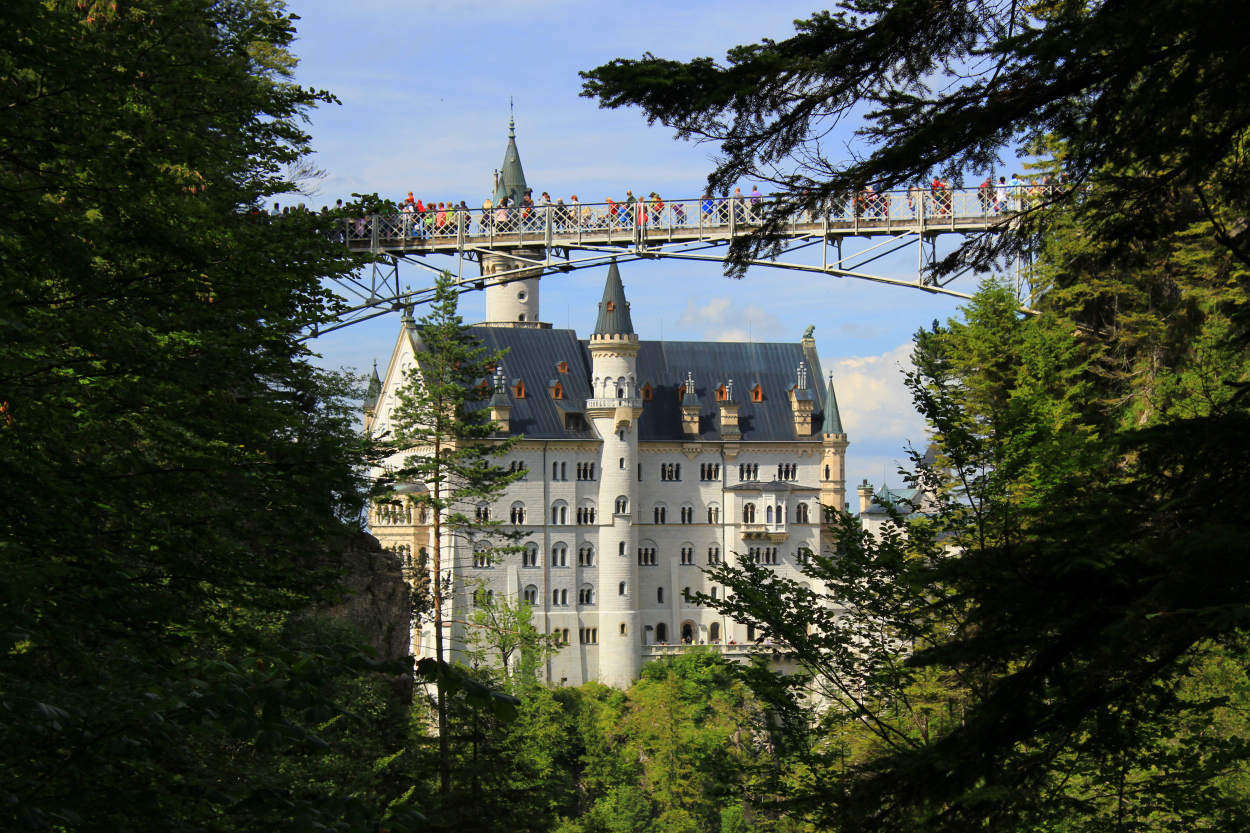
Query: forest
[[1056, 643]]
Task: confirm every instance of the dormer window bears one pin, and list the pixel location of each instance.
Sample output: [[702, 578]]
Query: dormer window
[[518, 389], [611, 305], [721, 394], [557, 390], [757, 393], [646, 392], [562, 367]]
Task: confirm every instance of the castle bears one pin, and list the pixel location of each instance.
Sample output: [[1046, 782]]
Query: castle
[[645, 462]]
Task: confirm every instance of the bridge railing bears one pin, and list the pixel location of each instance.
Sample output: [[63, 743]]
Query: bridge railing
[[915, 209]]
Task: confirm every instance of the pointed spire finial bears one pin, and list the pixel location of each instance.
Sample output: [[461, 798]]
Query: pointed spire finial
[[511, 119]]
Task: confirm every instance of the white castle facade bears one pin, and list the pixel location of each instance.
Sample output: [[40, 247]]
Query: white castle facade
[[646, 462]]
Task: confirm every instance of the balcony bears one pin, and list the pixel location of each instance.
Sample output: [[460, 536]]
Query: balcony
[[613, 403]]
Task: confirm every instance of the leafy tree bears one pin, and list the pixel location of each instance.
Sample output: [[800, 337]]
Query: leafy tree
[[447, 442], [502, 631], [174, 467]]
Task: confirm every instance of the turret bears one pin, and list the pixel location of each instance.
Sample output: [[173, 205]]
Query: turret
[[689, 408], [500, 404], [614, 410], [374, 391], [512, 300]]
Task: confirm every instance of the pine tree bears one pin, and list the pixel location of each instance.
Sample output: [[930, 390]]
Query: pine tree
[[447, 442]]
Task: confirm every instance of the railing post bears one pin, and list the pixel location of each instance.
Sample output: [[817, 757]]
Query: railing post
[[547, 236], [461, 220], [373, 235]]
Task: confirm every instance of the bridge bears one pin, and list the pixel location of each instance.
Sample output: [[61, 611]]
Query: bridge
[[558, 238]]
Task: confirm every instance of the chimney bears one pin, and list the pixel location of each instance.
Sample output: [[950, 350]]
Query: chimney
[[689, 408], [500, 405], [729, 414], [865, 497], [802, 403]]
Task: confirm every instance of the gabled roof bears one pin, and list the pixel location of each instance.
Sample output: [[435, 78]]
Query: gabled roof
[[511, 177], [771, 486], [613, 309], [665, 364]]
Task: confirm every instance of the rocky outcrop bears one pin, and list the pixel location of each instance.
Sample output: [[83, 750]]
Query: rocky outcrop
[[377, 600]]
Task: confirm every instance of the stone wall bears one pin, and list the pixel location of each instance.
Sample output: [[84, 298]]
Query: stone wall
[[377, 599]]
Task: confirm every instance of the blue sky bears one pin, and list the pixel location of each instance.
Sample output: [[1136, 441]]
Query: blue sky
[[425, 89]]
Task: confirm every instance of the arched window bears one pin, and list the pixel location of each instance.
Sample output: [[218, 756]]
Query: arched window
[[713, 633], [529, 558], [586, 595], [661, 513], [646, 556], [482, 513], [801, 514], [565, 636], [661, 634], [687, 553], [713, 514], [621, 548], [750, 633], [687, 633], [586, 514], [622, 505], [620, 589], [531, 594], [559, 513], [713, 555], [559, 556], [517, 515], [659, 595], [624, 630], [768, 514], [481, 558], [622, 462], [685, 592], [826, 472], [555, 471], [713, 592], [748, 513]]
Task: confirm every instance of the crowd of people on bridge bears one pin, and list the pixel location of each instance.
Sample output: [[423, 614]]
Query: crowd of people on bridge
[[934, 201]]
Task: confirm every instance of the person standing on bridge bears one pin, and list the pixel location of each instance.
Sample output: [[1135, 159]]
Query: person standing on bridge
[[756, 196], [737, 204], [1000, 195], [630, 201], [1014, 189], [708, 207]]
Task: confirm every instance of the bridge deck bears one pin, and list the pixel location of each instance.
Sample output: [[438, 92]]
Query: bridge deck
[[608, 225]]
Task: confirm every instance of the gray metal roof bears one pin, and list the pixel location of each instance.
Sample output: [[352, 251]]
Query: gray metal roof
[[511, 177], [770, 486], [533, 352], [664, 365], [614, 309]]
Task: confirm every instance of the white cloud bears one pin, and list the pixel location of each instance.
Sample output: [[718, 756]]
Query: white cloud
[[873, 400], [720, 319]]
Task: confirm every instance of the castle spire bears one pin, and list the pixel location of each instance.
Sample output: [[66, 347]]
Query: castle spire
[[833, 419], [511, 182], [614, 309]]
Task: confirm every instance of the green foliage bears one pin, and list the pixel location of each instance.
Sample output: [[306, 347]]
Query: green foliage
[[502, 633]]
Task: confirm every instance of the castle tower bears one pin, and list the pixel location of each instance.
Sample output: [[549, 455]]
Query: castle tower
[[833, 463], [513, 300], [614, 410]]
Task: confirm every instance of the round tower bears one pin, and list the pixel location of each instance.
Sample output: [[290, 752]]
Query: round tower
[[512, 300], [614, 410]]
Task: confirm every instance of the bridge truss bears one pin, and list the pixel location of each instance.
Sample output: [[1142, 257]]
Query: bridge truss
[[548, 239]]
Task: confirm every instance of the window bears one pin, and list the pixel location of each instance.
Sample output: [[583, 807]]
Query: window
[[557, 391], [482, 513], [518, 390], [483, 598], [687, 554], [586, 556], [559, 556], [623, 462], [518, 465], [687, 633], [555, 471], [687, 514], [757, 393], [620, 589], [588, 636], [517, 515], [801, 514], [713, 555], [749, 471], [768, 514], [586, 596], [585, 515], [621, 548], [826, 472], [661, 514], [803, 556], [713, 633], [639, 472], [560, 598], [562, 367], [566, 636], [661, 634], [787, 471], [560, 514], [585, 471], [481, 559], [646, 557], [748, 513], [670, 471], [529, 558], [709, 471], [750, 633], [685, 592], [646, 392], [713, 592], [713, 514], [531, 594], [622, 505], [659, 595], [624, 630], [763, 555]]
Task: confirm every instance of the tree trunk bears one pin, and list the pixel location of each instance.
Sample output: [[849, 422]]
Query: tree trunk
[[444, 751]]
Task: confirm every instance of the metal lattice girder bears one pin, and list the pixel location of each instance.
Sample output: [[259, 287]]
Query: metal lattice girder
[[540, 240]]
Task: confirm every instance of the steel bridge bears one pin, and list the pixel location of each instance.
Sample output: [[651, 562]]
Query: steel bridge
[[537, 240]]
